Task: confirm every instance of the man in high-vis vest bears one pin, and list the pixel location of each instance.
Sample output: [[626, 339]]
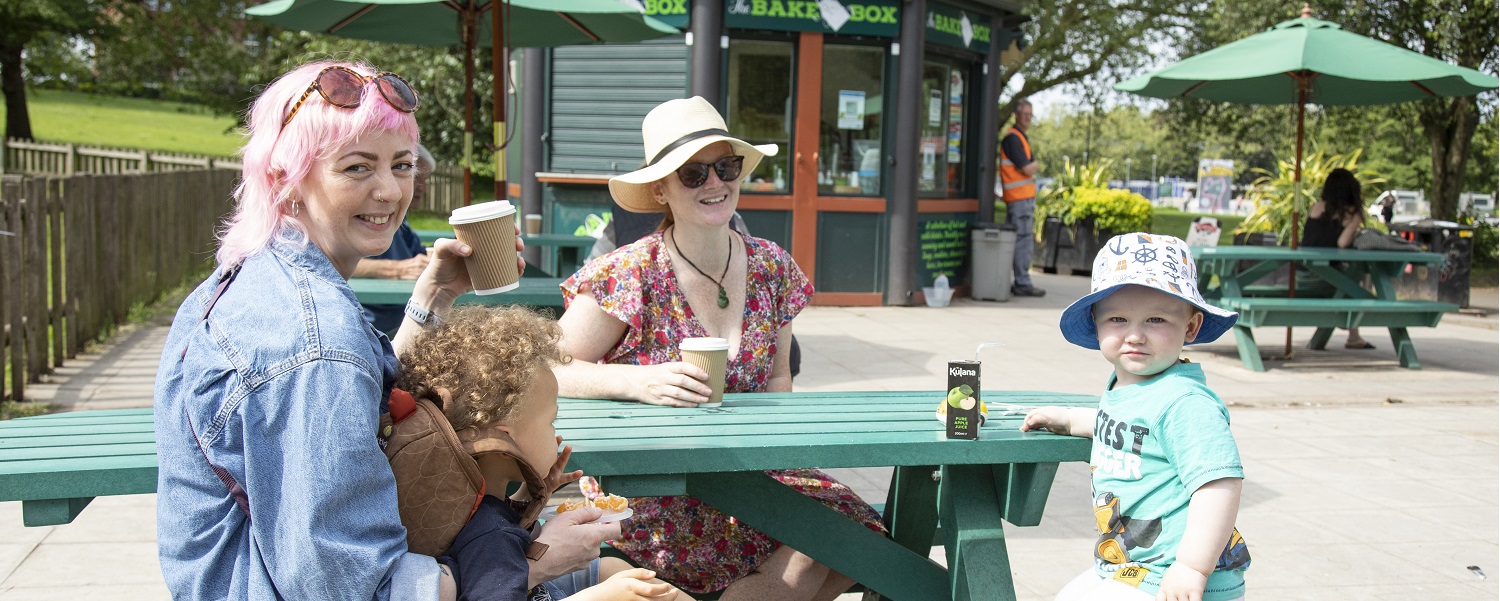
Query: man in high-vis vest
[[1017, 185]]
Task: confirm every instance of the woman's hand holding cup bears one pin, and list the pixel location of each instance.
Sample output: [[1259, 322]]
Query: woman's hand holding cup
[[446, 276], [675, 384]]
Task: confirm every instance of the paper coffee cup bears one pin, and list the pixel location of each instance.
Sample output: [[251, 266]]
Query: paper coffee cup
[[490, 229], [533, 224], [711, 355]]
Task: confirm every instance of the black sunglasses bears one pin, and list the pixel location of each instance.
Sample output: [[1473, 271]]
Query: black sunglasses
[[342, 87], [694, 175]]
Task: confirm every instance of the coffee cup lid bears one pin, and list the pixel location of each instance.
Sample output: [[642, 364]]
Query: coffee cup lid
[[481, 212], [704, 344]]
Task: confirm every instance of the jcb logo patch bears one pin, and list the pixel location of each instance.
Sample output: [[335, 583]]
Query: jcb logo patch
[[1132, 575]]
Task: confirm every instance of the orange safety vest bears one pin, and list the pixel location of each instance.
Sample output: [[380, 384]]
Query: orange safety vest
[[1015, 184]]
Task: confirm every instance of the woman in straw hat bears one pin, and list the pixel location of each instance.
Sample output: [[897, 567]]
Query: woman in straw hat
[[694, 277]]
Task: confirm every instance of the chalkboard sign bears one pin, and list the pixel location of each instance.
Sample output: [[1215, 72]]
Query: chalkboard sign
[[943, 243]]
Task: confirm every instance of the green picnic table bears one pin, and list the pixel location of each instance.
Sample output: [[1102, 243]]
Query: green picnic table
[[55, 464], [535, 292], [567, 251], [718, 455], [1342, 301]]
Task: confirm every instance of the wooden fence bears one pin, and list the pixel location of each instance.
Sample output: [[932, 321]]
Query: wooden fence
[[445, 187], [27, 157], [80, 251]]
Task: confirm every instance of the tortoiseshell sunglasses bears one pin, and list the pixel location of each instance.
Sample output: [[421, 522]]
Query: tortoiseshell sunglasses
[[343, 88]]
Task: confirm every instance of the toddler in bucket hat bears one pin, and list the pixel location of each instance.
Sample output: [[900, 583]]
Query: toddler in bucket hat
[[1164, 472], [1161, 263]]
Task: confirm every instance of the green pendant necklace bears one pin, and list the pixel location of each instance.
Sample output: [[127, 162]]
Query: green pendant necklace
[[723, 296]]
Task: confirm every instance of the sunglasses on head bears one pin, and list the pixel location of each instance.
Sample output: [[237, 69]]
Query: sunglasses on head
[[694, 175], [343, 88]]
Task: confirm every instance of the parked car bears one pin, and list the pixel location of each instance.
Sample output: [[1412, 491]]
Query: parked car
[[1482, 204], [1411, 205]]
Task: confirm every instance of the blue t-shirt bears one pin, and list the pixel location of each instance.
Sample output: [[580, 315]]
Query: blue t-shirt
[[405, 245], [1155, 443]]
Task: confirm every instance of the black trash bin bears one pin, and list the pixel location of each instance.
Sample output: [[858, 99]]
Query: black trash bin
[[1447, 281]]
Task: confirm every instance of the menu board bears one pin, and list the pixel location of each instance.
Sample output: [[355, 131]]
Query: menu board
[[943, 245]]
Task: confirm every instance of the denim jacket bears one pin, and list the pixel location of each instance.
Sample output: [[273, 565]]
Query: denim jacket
[[283, 385]]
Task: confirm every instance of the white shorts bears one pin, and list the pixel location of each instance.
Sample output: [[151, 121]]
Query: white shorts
[[1090, 586]]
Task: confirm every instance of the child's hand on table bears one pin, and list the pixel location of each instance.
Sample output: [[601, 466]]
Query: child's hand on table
[[1051, 419]]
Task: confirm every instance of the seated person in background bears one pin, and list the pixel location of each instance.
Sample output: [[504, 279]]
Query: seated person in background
[[405, 259], [1333, 222], [490, 368]]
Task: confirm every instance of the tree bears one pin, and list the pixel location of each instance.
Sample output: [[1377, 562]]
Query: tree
[[211, 54], [1072, 42], [21, 22], [436, 73], [197, 52], [1461, 32]]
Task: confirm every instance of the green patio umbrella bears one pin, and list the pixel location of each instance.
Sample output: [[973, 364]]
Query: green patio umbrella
[[1309, 60], [519, 23]]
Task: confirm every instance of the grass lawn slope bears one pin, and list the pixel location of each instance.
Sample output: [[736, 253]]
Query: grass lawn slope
[[58, 116]]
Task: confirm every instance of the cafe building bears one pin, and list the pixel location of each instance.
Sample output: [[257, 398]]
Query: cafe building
[[884, 111]]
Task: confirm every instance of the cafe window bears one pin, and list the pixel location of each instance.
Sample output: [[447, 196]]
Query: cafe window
[[760, 108], [941, 147], [849, 124]]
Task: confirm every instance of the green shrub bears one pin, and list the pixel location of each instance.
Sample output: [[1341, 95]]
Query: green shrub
[[1118, 211], [1081, 193]]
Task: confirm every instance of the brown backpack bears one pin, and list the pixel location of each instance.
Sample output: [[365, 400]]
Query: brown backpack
[[438, 483]]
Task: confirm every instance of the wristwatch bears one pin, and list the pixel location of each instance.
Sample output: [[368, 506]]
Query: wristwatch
[[420, 314]]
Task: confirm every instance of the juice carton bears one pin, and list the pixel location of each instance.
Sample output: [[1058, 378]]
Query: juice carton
[[963, 399]]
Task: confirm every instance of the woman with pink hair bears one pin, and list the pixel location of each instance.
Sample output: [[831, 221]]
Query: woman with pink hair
[[271, 482]]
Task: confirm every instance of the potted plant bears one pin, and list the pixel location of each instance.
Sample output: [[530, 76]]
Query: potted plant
[[1080, 211]]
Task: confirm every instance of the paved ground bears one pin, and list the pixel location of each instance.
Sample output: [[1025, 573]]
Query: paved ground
[[1364, 480]]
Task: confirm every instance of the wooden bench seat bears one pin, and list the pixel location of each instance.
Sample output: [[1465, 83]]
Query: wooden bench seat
[[1329, 313]]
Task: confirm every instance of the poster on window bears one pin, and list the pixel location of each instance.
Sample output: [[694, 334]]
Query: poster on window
[[955, 115], [851, 109], [935, 109]]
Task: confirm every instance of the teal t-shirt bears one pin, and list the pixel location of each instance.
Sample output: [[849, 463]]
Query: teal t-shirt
[[1155, 443]]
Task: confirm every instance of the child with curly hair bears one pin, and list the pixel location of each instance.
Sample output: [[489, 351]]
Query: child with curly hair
[[491, 368]]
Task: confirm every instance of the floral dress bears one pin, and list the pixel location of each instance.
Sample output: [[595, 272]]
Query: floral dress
[[686, 542]]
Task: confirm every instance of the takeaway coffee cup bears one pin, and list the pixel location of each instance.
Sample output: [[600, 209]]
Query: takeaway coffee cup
[[490, 229], [533, 224], [709, 354]]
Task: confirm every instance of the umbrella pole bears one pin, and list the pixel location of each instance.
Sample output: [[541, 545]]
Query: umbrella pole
[[499, 54], [471, 35], [1291, 286]]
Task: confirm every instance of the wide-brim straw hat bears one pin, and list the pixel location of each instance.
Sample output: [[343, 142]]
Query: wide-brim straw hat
[[673, 132], [1162, 263]]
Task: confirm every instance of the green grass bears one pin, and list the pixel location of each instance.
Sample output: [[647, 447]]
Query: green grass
[[422, 220], [1173, 222], [58, 116]]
